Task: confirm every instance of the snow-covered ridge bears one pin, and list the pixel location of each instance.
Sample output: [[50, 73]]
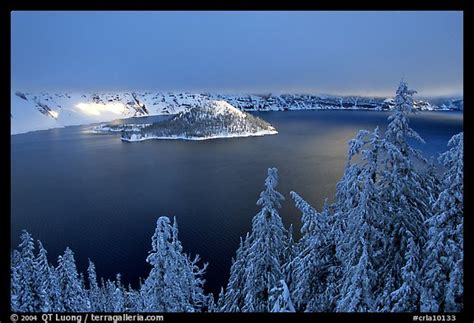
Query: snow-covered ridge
[[213, 119], [44, 110]]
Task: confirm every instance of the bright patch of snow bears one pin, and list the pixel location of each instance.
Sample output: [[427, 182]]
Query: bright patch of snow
[[222, 107], [97, 109], [138, 137]]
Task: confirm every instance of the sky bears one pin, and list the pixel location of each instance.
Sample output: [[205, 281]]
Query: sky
[[352, 53]]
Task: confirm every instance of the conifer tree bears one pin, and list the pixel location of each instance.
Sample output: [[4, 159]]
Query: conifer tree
[[220, 301], [15, 290], [312, 261], [266, 248], [42, 280], [174, 283], [118, 296], [281, 299], [56, 293], [74, 298], [234, 297], [27, 300], [211, 305], [362, 241], [406, 203], [258, 266], [94, 290], [442, 285]]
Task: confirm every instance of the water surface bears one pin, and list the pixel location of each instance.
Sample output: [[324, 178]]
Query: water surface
[[101, 196]]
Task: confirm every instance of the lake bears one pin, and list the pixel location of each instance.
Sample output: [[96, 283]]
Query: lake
[[101, 196]]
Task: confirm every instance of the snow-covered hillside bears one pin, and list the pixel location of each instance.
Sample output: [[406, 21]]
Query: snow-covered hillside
[[214, 119], [38, 111]]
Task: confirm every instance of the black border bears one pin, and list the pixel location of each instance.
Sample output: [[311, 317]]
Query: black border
[[403, 5], [457, 5]]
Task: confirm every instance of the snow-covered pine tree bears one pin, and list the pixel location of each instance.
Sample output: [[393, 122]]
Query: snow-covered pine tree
[[431, 180], [290, 253], [109, 295], [312, 261], [26, 300], [334, 270], [118, 296], [290, 249], [360, 253], [347, 195], [15, 290], [82, 282], [56, 293], [133, 300], [405, 298], [74, 298], [211, 304], [220, 301], [266, 248], [361, 242], [161, 292], [406, 202], [442, 286], [94, 290], [140, 300], [234, 297], [281, 299], [258, 265], [451, 200], [195, 281], [174, 283], [42, 280], [347, 199], [104, 296]]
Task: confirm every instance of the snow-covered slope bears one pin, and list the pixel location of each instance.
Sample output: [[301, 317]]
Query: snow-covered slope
[[213, 119], [37, 111]]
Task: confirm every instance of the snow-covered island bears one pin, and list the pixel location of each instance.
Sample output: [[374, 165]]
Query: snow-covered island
[[213, 119]]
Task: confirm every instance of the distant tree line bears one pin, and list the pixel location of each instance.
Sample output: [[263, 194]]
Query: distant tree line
[[392, 241]]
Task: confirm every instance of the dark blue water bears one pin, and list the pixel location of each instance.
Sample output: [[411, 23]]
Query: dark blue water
[[101, 196]]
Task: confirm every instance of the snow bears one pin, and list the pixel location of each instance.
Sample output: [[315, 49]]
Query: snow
[[42, 111], [137, 137], [105, 128], [66, 109], [283, 302], [223, 107], [96, 109]]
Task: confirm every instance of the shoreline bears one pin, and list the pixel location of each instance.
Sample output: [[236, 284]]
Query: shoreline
[[181, 137]]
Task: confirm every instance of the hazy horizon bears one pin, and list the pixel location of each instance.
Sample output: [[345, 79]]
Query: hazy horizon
[[333, 53]]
